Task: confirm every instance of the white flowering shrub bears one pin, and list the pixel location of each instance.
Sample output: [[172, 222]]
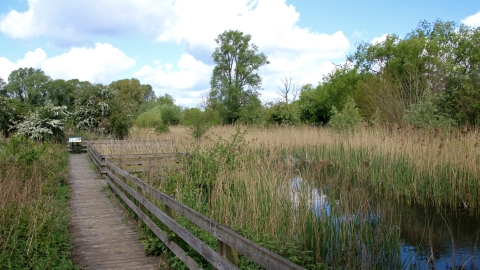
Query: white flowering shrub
[[92, 107], [45, 123]]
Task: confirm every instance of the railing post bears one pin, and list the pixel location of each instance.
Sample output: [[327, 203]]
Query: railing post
[[142, 208], [169, 211], [102, 167], [228, 252]]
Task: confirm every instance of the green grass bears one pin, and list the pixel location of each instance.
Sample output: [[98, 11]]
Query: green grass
[[34, 216]]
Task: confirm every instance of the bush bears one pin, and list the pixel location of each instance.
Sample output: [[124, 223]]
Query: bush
[[149, 119], [170, 114], [348, 117], [45, 123], [426, 114], [283, 114]]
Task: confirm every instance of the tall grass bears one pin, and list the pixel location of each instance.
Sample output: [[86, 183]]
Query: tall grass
[[34, 217], [244, 180]]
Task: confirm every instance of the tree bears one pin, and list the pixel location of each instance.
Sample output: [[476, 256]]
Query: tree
[[288, 88], [234, 81], [3, 90], [27, 85], [61, 93], [133, 91], [316, 103], [438, 59], [92, 107]]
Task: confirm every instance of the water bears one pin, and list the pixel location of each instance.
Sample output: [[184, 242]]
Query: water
[[430, 240]]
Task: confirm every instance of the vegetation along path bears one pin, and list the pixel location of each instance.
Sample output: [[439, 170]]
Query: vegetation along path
[[101, 237]]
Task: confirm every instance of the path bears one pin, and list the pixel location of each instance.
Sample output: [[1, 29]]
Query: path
[[102, 239]]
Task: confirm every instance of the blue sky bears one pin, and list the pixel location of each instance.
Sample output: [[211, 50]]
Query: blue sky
[[168, 43]]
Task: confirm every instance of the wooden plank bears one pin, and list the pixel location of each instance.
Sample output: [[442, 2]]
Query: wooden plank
[[99, 232], [203, 249], [176, 249]]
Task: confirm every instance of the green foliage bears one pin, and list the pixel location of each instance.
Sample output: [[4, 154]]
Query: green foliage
[[252, 113], [61, 92], [45, 123], [27, 85], [316, 103], [197, 122], [92, 107], [3, 90], [438, 57], [170, 114], [159, 117], [133, 91], [150, 118], [234, 82], [426, 114], [34, 221], [283, 114], [347, 118], [162, 128]]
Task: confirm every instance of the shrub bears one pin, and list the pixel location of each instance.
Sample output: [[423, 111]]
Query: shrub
[[151, 118], [170, 114], [45, 123], [348, 117], [426, 114]]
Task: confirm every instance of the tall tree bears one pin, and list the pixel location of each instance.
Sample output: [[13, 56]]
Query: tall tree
[[3, 90], [235, 81], [61, 93], [27, 85]]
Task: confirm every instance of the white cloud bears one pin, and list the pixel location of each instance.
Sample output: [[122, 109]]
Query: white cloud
[[272, 24], [99, 64], [74, 21], [32, 59], [306, 68], [6, 67], [380, 39], [473, 20], [305, 54], [188, 74]]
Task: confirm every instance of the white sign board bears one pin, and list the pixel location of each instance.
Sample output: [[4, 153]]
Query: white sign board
[[74, 139]]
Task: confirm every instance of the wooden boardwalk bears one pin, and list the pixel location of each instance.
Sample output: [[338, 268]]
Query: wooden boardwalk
[[102, 238]]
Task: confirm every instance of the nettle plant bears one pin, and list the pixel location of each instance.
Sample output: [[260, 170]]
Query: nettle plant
[[45, 123]]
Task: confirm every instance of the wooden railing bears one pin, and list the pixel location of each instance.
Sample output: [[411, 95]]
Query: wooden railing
[[229, 242]]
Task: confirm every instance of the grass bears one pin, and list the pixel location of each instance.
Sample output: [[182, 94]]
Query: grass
[[34, 216], [244, 180]]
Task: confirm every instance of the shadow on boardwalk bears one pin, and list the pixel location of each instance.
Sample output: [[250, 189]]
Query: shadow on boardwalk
[[102, 239]]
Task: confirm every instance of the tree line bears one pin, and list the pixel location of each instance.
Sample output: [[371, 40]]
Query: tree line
[[430, 77]]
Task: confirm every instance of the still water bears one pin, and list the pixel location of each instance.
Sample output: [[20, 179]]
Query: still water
[[430, 240]]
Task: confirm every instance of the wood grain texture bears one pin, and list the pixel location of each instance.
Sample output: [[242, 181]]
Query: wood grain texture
[[102, 237]]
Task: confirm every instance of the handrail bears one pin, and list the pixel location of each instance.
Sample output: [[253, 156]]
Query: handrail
[[229, 242]]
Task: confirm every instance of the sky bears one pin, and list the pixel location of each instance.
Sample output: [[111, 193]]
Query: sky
[[168, 43]]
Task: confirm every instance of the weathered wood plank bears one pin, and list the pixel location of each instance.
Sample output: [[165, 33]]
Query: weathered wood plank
[[102, 239]]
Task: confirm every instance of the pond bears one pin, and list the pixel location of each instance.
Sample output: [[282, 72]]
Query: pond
[[429, 239]]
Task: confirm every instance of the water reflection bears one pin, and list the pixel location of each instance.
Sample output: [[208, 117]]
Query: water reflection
[[431, 240], [439, 240]]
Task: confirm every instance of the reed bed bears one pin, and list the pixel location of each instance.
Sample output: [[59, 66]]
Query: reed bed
[[332, 218], [34, 217]]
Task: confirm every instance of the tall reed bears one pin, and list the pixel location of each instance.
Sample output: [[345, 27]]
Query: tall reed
[[245, 181]]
